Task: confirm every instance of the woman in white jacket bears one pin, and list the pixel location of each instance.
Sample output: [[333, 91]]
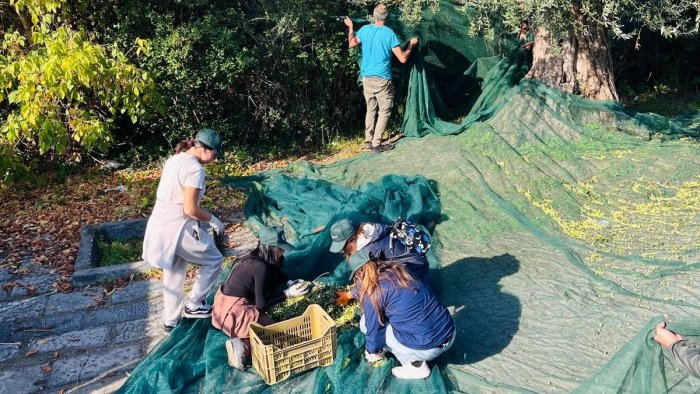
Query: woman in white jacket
[[176, 231]]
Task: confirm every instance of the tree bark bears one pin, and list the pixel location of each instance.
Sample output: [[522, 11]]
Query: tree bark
[[579, 63]]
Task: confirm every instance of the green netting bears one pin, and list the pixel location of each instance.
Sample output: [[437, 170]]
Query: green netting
[[563, 229]]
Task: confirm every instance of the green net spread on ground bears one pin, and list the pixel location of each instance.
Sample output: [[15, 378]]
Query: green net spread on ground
[[563, 229]]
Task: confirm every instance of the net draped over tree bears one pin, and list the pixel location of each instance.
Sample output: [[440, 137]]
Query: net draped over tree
[[562, 229]]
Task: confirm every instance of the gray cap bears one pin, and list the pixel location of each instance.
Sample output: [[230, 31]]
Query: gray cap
[[341, 231], [357, 260], [274, 237], [211, 139]]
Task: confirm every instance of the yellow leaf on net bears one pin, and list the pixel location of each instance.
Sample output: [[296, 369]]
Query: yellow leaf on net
[[379, 364]]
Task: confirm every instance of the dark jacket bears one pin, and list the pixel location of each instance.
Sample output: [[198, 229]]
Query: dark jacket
[[417, 317], [381, 248], [687, 355], [256, 281]]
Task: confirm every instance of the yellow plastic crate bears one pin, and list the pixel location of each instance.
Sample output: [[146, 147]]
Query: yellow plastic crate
[[294, 345]]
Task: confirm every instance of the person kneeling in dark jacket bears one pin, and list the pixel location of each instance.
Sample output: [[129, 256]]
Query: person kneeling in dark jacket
[[400, 315], [250, 290], [375, 239]]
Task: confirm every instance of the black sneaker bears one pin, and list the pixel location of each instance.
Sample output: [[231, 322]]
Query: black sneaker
[[167, 329], [381, 148], [198, 311]]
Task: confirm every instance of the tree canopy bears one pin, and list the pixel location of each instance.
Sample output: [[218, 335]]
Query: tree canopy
[[78, 77], [60, 92], [621, 18]]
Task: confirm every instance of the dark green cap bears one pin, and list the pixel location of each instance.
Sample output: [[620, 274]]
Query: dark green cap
[[211, 139], [341, 231], [357, 260], [274, 237]]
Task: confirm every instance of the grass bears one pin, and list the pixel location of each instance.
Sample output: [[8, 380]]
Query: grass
[[116, 252]]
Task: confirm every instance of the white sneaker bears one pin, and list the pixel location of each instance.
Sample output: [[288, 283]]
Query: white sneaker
[[235, 351], [409, 371], [197, 310]]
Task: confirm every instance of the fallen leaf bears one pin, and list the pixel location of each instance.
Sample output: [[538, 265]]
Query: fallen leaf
[[46, 368], [42, 341], [31, 353]]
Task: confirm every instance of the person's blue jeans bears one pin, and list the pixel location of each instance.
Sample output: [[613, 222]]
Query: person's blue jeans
[[403, 353]]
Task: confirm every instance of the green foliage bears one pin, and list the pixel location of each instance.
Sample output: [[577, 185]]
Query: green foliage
[[117, 252], [61, 93], [622, 18], [410, 11], [270, 75]]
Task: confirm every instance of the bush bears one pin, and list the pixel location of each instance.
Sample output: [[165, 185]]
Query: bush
[[61, 93], [268, 75]]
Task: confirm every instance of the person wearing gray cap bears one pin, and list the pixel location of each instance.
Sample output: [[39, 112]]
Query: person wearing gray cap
[[250, 290], [375, 239], [399, 315], [176, 230], [378, 42]]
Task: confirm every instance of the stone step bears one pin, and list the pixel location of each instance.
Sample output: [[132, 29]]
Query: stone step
[[83, 340]]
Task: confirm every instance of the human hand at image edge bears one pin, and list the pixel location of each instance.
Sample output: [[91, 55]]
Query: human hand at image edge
[[666, 337]]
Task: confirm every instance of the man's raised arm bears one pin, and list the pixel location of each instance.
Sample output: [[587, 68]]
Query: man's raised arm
[[404, 55], [353, 41]]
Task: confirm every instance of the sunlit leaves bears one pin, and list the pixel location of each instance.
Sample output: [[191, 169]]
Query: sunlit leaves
[[622, 18], [63, 91], [37, 9]]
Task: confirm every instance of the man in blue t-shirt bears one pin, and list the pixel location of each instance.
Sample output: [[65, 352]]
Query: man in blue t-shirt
[[378, 43]]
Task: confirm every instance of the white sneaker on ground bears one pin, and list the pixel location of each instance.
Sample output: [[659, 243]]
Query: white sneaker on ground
[[412, 370], [200, 310], [235, 351]]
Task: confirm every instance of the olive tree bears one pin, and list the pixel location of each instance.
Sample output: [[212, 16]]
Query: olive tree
[[571, 48]]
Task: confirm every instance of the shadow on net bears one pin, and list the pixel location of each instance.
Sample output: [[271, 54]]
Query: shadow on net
[[486, 317]]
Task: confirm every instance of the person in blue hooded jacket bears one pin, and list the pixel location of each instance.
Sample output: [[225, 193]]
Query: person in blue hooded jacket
[[375, 239], [399, 315]]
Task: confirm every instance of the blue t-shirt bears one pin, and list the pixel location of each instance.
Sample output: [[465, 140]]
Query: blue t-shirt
[[377, 43]]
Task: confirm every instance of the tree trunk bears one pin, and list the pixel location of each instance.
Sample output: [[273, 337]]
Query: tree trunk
[[579, 64]]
